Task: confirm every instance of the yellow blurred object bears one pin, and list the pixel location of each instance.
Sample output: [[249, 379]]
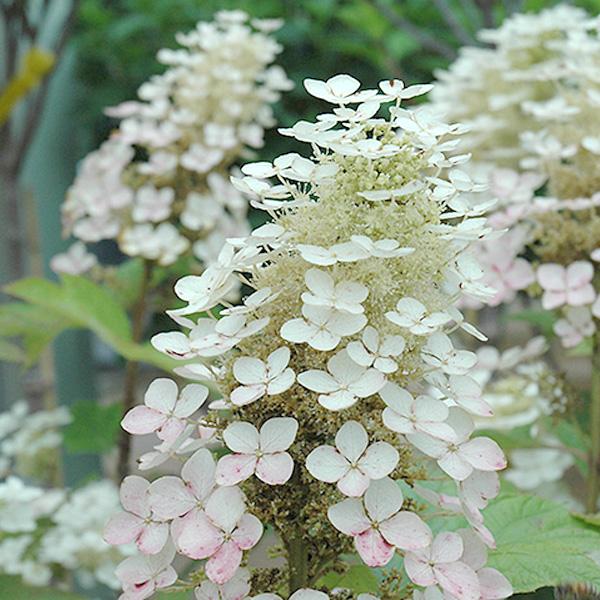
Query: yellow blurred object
[[36, 64]]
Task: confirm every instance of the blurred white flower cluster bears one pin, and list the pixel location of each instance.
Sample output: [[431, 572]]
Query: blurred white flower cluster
[[160, 184], [47, 530], [532, 101]]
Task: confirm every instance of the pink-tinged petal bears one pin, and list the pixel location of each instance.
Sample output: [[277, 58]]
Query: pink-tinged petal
[[455, 465], [134, 495], [520, 275], [481, 487], [379, 460], [278, 434], [171, 429], [192, 397], [123, 528], [275, 469], [552, 277], [373, 549], [579, 273], [198, 538], [483, 454], [447, 547], [493, 585], [161, 395], [199, 473], [406, 531], [552, 300], [153, 538], [581, 295], [139, 591], [418, 569], [166, 578], [222, 566], [458, 579], [134, 570], [325, 463], [354, 483], [141, 420], [349, 517], [248, 532], [234, 468], [170, 497], [244, 395]]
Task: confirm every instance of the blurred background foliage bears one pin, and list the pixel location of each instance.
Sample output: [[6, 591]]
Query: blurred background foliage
[[372, 39]]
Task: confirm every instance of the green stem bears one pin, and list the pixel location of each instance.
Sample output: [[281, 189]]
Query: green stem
[[593, 489], [131, 370], [297, 563]]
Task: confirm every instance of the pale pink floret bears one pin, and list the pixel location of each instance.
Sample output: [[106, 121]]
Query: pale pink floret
[[459, 458], [136, 523], [405, 414], [141, 576], [378, 525], [506, 273], [166, 410], [575, 327], [353, 463], [263, 454], [237, 588], [183, 498], [220, 534], [570, 286], [440, 564], [492, 584]]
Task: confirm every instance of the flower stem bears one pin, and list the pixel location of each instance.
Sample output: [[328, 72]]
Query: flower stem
[[593, 489], [297, 563], [131, 370]]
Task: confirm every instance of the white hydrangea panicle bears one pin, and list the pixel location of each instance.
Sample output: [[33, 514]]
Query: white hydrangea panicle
[[160, 185], [337, 374]]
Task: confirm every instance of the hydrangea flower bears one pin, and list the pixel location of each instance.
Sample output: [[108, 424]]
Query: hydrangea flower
[[136, 524], [354, 284], [378, 525], [353, 463]]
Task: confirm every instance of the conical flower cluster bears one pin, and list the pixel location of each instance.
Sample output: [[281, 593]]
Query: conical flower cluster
[[342, 391], [160, 185]]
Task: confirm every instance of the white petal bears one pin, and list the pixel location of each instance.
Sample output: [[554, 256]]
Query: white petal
[[383, 499], [379, 460], [278, 434], [352, 440], [161, 395], [241, 437], [349, 517], [325, 463]]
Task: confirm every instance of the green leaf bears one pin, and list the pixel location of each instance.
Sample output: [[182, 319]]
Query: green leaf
[[35, 325], [11, 588], [81, 303], [11, 352], [94, 428], [542, 319], [358, 578], [540, 544]]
